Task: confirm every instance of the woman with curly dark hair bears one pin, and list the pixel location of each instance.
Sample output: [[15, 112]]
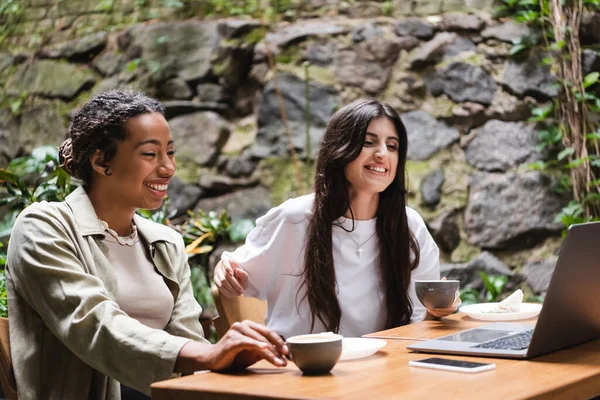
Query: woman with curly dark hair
[[344, 258], [100, 299]]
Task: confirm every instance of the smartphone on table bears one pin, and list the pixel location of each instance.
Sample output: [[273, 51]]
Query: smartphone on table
[[452, 365]]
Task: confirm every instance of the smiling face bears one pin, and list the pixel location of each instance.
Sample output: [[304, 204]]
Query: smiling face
[[375, 167], [143, 163]]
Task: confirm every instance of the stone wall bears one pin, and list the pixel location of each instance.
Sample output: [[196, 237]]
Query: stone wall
[[51, 21], [47, 21], [464, 100]]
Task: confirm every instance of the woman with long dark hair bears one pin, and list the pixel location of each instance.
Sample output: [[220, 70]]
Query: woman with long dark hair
[[100, 299], [344, 258]]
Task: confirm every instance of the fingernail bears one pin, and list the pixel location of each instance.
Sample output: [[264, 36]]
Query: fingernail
[[285, 349], [279, 361]]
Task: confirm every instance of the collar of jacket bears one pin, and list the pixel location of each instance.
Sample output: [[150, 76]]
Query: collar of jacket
[[88, 222]]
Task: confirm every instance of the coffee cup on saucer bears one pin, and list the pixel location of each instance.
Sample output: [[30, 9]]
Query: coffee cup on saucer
[[315, 353]]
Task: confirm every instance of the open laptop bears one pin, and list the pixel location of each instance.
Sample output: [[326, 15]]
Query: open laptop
[[570, 314]]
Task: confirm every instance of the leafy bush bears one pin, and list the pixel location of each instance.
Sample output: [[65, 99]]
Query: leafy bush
[[30, 179], [203, 233]]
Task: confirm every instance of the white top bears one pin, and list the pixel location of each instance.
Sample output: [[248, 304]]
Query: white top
[[142, 292], [273, 256]]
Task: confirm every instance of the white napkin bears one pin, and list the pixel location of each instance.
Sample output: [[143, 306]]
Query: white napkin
[[512, 304]]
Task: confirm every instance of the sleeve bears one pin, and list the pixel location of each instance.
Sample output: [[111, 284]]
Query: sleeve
[[47, 272], [268, 248], [429, 261], [185, 319]]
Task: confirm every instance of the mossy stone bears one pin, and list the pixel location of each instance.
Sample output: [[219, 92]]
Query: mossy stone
[[280, 175]]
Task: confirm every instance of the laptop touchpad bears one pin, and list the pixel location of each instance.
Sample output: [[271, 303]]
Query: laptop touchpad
[[475, 336]]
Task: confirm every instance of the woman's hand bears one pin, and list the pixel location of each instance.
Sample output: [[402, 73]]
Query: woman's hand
[[444, 312], [230, 278], [244, 344]]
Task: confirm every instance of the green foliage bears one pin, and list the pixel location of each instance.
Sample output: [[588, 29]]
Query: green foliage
[[30, 179], [160, 216], [253, 8], [232, 7], [3, 299], [493, 288], [15, 104], [573, 213], [201, 287], [105, 5], [239, 230], [11, 12], [202, 233], [557, 137], [172, 3], [387, 8], [530, 12]]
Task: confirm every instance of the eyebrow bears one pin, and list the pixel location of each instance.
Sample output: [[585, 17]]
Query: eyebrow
[[389, 137], [151, 141]]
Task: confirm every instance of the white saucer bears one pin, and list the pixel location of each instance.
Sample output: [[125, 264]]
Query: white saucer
[[354, 348], [479, 311]]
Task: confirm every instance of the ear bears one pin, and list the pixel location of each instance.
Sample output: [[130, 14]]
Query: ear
[[97, 162]]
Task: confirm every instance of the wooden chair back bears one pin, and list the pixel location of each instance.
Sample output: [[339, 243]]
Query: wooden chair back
[[7, 375], [235, 310]]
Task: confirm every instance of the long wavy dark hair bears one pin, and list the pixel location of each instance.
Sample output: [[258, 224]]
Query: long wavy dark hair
[[399, 251]]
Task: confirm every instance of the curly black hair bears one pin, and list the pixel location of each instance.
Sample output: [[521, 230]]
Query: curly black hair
[[100, 125]]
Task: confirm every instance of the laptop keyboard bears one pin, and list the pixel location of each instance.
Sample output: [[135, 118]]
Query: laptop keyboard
[[517, 341]]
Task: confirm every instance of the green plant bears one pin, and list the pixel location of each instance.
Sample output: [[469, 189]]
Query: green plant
[[3, 298], [387, 8], [30, 179], [493, 288], [202, 233], [569, 128], [160, 216], [11, 13], [16, 103]]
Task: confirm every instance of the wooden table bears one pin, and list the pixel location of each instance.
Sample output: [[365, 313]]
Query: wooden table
[[572, 373]]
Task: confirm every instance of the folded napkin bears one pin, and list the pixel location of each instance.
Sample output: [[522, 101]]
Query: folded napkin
[[512, 304]]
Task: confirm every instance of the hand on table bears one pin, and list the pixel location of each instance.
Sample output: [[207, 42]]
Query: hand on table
[[244, 344], [230, 278]]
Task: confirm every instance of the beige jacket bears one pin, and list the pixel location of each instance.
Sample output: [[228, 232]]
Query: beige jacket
[[69, 338]]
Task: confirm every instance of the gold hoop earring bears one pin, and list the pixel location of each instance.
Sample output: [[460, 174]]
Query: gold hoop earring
[[107, 171]]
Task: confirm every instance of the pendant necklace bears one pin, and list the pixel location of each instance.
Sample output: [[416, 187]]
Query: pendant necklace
[[359, 246]]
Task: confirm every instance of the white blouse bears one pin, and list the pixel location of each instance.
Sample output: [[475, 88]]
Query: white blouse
[[273, 256]]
